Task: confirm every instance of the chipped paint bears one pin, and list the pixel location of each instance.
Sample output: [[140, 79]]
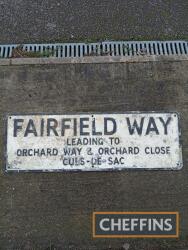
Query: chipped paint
[[91, 142]]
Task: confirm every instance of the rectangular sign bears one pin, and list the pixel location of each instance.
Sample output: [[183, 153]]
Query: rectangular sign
[[93, 142], [135, 224]]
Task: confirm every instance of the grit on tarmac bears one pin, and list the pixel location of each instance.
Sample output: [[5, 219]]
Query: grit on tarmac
[[89, 20]]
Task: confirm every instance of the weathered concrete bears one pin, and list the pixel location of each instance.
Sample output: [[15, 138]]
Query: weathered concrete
[[43, 209], [92, 59]]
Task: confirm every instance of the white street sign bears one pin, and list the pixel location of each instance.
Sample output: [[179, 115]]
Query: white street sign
[[91, 142]]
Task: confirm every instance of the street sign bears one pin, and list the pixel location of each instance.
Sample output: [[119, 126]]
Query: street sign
[[91, 142]]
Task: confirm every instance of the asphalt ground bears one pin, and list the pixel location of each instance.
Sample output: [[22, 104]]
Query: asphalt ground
[[91, 20]]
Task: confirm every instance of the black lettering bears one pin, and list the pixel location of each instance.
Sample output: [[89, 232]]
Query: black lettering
[[114, 128], [135, 126], [94, 132], [64, 126], [17, 126], [30, 128], [165, 124], [51, 126], [19, 152], [30, 152], [42, 127], [75, 127], [152, 126], [82, 126]]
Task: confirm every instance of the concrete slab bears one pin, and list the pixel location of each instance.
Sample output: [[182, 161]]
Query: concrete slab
[[43, 210], [92, 59]]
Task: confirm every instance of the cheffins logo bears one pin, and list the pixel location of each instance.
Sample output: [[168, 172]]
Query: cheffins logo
[[135, 224]]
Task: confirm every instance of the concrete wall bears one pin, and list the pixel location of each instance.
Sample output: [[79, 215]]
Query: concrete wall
[[42, 209]]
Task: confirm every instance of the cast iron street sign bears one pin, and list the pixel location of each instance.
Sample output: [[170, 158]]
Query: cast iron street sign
[[91, 142]]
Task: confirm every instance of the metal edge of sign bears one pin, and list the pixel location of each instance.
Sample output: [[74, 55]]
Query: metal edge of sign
[[5, 156], [5, 123]]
